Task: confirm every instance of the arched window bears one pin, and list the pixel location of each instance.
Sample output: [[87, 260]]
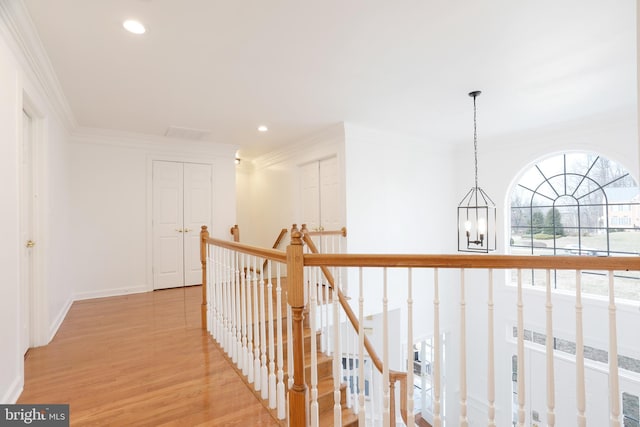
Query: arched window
[[576, 204]]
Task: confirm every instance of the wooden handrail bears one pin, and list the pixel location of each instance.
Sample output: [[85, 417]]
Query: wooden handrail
[[271, 254], [377, 362], [235, 232], [283, 233], [344, 303], [474, 261], [342, 232]]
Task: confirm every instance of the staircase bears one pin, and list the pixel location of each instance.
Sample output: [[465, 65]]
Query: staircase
[[324, 371]]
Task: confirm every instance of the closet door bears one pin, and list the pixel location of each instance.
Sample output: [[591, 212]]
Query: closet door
[[320, 189], [330, 217], [181, 205], [168, 241], [197, 212], [310, 190]]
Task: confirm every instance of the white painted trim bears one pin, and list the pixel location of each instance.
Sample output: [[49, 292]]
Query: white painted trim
[[19, 31], [112, 292], [14, 392], [302, 147], [38, 304], [153, 143], [57, 322]]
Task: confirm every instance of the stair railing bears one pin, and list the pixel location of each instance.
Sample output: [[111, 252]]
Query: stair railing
[[388, 279], [394, 376], [243, 309]]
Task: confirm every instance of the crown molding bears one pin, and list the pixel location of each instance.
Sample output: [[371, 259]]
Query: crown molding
[[139, 141], [332, 134], [19, 32]]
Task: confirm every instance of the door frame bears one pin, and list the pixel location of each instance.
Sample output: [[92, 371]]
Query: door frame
[[39, 331], [189, 158]]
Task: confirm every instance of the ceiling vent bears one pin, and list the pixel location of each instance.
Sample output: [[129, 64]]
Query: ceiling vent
[[186, 133]]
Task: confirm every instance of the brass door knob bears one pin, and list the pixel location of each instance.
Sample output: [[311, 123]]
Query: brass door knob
[[179, 230], [30, 243]]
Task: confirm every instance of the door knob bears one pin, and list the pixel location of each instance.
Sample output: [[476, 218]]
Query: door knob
[[179, 230], [30, 243], [186, 230]]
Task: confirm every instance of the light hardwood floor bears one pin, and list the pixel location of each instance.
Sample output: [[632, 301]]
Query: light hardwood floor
[[140, 360]]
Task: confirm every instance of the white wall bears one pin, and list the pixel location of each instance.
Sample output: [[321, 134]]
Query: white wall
[[11, 378], [111, 199], [51, 253]]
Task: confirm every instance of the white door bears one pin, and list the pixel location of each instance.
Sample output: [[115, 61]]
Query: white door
[[197, 212], [26, 230], [181, 205], [330, 217], [320, 189], [310, 189]]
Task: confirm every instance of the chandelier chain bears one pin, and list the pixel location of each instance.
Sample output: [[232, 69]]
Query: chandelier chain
[[475, 140]]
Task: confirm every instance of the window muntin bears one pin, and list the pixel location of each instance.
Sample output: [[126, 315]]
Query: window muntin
[[577, 204]]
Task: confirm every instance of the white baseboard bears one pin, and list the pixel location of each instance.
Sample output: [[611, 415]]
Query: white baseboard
[[53, 328], [112, 292], [14, 391]]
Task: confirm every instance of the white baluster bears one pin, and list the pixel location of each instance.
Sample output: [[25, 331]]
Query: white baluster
[[437, 416], [337, 362], [257, 383], [218, 293], [614, 386], [491, 387], [250, 321], [386, 420], [264, 372], [410, 417], [219, 298], [551, 396], [234, 311], [237, 336], [227, 303], [242, 356], [464, 422], [211, 292], [231, 334], [289, 350], [272, 359], [521, 376], [424, 376], [315, 420], [325, 297], [281, 403], [361, 408], [580, 388]]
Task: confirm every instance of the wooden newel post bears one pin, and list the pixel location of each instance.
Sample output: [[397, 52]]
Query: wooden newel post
[[235, 232], [204, 235], [295, 274]]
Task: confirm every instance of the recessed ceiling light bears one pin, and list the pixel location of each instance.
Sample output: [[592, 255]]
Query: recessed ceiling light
[[263, 128], [134, 26]]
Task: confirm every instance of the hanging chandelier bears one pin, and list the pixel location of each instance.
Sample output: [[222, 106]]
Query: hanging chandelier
[[476, 211]]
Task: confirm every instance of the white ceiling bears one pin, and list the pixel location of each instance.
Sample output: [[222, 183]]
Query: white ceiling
[[300, 66]]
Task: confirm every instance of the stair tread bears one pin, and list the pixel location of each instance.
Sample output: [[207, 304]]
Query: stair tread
[[348, 417]]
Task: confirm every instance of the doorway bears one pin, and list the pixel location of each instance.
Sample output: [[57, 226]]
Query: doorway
[[181, 205], [27, 232]]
